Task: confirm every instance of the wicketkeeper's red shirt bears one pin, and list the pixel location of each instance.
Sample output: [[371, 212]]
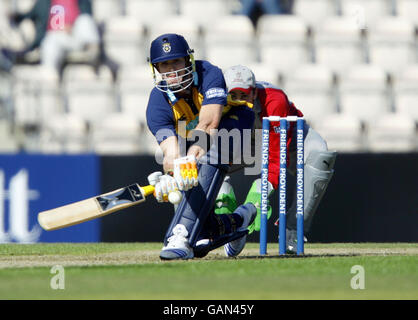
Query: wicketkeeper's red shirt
[[273, 101]]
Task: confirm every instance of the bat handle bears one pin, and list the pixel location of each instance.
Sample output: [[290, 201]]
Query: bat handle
[[148, 190], [175, 197]]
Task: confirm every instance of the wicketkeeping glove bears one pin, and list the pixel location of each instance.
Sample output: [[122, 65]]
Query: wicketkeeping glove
[[254, 197], [185, 172]]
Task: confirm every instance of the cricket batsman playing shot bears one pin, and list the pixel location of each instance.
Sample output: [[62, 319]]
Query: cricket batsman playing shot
[[267, 100], [186, 109]]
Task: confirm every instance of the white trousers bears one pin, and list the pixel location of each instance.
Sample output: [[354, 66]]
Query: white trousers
[[56, 44]]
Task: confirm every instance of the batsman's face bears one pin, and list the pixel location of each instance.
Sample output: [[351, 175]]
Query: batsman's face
[[243, 96], [172, 70]]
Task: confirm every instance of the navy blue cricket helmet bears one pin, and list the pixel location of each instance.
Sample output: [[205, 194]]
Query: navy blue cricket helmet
[[169, 46]]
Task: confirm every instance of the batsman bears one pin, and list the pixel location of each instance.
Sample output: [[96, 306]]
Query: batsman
[[267, 100], [185, 109]]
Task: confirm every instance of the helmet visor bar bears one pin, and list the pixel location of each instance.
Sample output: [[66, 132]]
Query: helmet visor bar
[[174, 81]]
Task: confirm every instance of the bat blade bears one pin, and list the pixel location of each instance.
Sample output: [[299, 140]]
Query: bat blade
[[92, 208]]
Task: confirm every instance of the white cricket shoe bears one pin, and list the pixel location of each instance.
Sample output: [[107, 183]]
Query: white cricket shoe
[[234, 248], [178, 245]]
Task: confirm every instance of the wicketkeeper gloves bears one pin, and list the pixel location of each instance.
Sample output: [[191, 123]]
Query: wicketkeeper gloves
[[254, 197]]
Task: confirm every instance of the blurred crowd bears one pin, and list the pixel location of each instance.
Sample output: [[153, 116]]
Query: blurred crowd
[[71, 70]]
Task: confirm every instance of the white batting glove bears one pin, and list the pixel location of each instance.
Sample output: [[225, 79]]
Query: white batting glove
[[164, 184], [185, 172], [154, 178]]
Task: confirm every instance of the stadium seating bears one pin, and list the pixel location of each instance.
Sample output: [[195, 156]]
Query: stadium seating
[[392, 132], [36, 94], [190, 29], [134, 86], [106, 9], [150, 11], [365, 13], [150, 145], [89, 95], [392, 43], [23, 5], [135, 79], [310, 88], [283, 41], [16, 38], [343, 132], [135, 105], [265, 72], [315, 11], [363, 92], [125, 40], [64, 133], [227, 38], [350, 65], [8, 141], [338, 43], [118, 133], [204, 11], [406, 92], [6, 87], [407, 9]]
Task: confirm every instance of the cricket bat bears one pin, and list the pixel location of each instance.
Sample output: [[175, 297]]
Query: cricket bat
[[92, 208]]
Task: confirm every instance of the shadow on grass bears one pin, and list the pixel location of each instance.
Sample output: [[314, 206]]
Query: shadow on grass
[[276, 256], [294, 256]]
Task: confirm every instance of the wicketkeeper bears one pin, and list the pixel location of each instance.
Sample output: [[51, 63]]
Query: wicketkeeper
[[184, 109], [267, 100]]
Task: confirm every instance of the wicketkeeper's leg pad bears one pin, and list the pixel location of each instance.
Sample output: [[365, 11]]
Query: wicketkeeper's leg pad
[[319, 169]]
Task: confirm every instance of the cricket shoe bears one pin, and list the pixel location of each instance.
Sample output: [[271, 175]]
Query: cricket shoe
[[292, 241], [177, 245], [202, 248], [234, 248]]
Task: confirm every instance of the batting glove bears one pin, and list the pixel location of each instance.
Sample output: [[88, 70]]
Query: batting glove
[[185, 172], [164, 184]]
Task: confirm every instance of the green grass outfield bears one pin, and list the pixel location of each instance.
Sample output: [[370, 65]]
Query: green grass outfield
[[134, 271]]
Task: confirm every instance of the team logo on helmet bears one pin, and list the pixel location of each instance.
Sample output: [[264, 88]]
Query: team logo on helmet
[[238, 77], [166, 47]]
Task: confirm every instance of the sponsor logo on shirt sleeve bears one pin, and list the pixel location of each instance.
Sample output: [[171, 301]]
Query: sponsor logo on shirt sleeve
[[215, 93]]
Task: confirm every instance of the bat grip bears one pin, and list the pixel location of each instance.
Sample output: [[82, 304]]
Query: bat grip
[[148, 190]]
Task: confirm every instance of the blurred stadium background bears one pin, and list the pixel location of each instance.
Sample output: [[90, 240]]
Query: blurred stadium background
[[350, 65]]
